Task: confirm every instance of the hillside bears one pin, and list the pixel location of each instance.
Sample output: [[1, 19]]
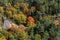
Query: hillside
[[29, 19]]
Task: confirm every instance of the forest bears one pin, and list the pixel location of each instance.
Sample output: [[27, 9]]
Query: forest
[[29, 19]]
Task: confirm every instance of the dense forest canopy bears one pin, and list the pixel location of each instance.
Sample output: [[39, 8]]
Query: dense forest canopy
[[29, 19]]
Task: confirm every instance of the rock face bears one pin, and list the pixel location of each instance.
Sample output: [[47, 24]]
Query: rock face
[[7, 24]]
